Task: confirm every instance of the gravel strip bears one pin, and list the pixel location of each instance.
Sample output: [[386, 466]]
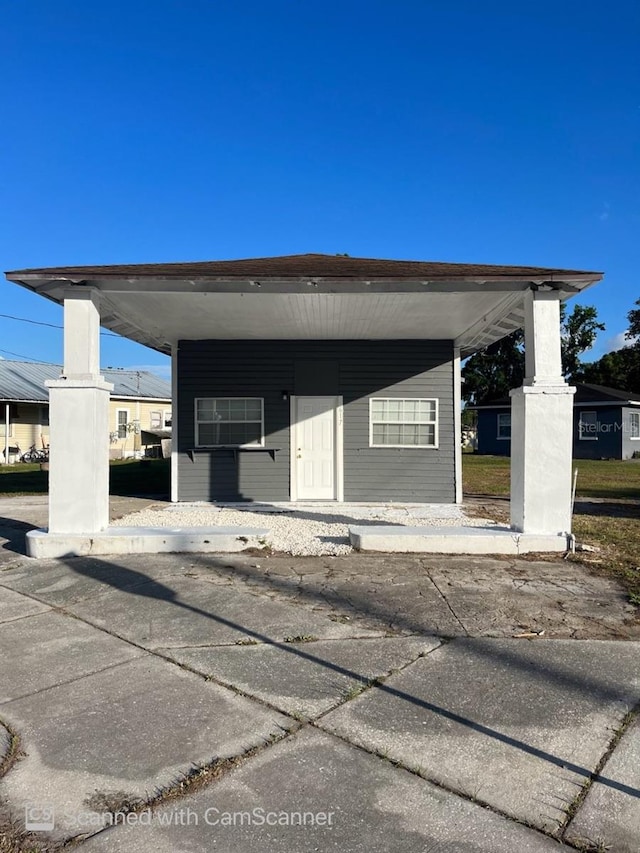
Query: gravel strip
[[303, 530]]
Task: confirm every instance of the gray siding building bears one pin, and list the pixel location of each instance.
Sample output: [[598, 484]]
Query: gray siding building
[[383, 414]]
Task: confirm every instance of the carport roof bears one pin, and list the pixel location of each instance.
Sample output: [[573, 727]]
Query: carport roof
[[312, 265], [311, 297]]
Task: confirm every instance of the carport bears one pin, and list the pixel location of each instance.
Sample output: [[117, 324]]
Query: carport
[[322, 298]]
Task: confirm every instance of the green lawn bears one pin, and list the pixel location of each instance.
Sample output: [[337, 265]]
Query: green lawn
[[489, 475], [126, 478], [612, 526]]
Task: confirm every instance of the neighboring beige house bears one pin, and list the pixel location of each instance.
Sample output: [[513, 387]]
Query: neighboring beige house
[[139, 409]]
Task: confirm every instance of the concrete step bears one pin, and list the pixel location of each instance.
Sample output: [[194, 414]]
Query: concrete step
[[452, 540], [144, 540]]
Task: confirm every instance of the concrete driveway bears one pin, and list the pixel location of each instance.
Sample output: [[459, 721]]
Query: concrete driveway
[[270, 703]]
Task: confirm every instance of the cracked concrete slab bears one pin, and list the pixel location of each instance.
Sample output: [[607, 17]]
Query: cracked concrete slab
[[610, 814], [495, 599], [16, 606], [305, 679], [515, 724], [185, 611], [129, 730], [445, 596], [49, 648], [372, 806]]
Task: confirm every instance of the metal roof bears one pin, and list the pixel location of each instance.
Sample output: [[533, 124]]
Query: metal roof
[[23, 380]]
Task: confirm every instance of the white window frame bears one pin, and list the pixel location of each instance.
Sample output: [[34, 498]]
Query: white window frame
[[634, 416], [435, 423], [503, 437], [166, 412], [592, 436], [163, 418], [234, 399], [118, 424]]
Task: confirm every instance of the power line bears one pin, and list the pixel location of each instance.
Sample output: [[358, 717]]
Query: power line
[[49, 325], [26, 357]]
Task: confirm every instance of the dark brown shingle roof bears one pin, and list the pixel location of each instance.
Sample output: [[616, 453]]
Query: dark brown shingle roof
[[311, 265]]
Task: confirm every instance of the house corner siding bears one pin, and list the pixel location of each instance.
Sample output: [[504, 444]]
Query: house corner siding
[[488, 441], [629, 445], [354, 370]]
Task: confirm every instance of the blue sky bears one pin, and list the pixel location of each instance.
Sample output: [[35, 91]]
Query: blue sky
[[172, 130]]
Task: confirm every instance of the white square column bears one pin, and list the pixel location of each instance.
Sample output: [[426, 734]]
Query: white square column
[[542, 426], [79, 424]]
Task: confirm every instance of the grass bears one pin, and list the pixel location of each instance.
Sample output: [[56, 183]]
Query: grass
[[127, 478], [613, 526], [597, 478]]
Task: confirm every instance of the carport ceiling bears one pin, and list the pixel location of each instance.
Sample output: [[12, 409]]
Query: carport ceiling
[[308, 297]]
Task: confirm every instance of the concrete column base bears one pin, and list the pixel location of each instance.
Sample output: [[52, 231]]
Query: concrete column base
[[541, 457], [79, 455]]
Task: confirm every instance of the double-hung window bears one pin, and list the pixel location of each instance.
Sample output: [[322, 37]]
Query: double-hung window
[[398, 422], [229, 421], [504, 425], [634, 425], [122, 421], [588, 426]]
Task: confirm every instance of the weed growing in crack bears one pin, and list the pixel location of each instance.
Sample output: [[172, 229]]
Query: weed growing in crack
[[300, 638]]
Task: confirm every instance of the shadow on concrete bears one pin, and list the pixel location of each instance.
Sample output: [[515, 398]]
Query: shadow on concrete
[[137, 583], [14, 532]]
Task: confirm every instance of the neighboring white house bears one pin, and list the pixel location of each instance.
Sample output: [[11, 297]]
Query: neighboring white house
[[139, 409]]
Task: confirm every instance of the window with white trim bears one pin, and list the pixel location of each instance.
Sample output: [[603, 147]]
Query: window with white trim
[[634, 425], [588, 426], [160, 419], [406, 422], [230, 421], [122, 421], [504, 425]]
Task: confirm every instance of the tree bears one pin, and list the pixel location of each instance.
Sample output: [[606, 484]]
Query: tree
[[494, 371], [621, 368], [577, 335], [633, 332]]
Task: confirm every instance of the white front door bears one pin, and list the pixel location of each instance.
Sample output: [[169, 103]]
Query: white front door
[[314, 434]]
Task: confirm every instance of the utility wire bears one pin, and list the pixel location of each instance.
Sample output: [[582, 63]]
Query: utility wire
[[49, 325], [26, 357]]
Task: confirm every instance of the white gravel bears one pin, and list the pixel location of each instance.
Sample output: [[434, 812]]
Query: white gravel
[[309, 529]]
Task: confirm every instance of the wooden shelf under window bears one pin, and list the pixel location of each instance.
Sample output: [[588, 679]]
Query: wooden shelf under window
[[225, 448]]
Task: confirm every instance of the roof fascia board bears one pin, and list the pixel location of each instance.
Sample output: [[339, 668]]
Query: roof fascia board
[[230, 284]]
